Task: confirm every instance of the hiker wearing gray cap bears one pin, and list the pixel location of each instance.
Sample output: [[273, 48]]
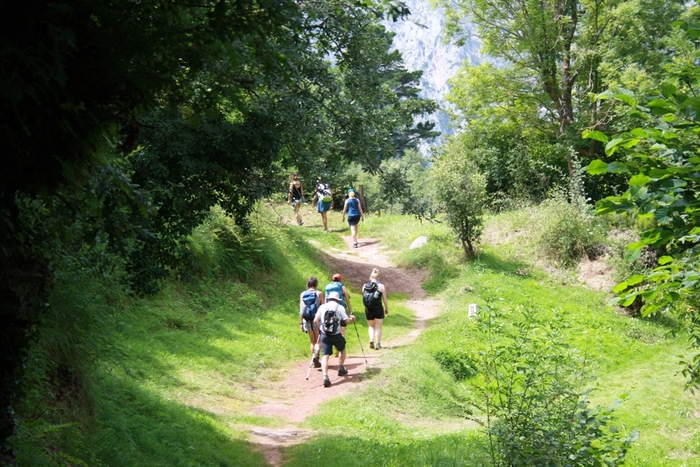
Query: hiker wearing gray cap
[[328, 320]]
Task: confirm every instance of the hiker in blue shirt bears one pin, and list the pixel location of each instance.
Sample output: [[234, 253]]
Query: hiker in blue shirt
[[353, 208], [310, 302]]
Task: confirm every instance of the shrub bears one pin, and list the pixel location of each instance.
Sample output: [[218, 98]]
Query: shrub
[[531, 392], [458, 364]]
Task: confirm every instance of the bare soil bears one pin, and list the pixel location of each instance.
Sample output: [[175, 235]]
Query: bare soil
[[296, 398]]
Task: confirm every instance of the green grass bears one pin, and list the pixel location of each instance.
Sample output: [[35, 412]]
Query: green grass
[[187, 365]]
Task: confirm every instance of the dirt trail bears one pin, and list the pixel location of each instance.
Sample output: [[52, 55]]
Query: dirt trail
[[295, 398]]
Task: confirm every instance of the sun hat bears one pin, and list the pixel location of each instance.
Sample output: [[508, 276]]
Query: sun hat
[[333, 296], [337, 278]]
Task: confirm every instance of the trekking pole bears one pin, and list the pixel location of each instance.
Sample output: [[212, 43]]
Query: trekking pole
[[360, 341], [313, 355]]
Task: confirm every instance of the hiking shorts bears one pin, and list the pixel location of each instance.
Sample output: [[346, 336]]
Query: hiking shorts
[[297, 202], [374, 313], [311, 325], [353, 220], [328, 341], [324, 206]]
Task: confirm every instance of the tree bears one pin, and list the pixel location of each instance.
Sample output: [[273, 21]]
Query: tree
[[460, 189], [660, 160]]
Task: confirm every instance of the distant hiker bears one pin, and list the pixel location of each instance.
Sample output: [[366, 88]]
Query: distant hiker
[[373, 297], [324, 201], [353, 208], [328, 320], [310, 302], [296, 197], [337, 286]]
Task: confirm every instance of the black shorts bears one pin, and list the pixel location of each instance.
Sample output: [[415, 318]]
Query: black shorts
[[374, 313], [328, 341], [353, 220]]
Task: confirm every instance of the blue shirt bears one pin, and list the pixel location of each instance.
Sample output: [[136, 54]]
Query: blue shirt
[[353, 207]]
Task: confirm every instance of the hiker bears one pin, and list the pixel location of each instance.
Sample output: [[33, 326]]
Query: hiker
[[328, 320], [310, 302], [323, 198], [296, 197], [353, 208], [373, 297], [337, 286]]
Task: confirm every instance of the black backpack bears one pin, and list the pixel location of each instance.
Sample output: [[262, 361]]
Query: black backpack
[[331, 320], [311, 305], [371, 295]]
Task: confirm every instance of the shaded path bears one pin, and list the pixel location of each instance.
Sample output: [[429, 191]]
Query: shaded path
[[295, 398]]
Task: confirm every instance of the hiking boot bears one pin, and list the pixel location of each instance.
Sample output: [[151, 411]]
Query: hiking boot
[[378, 346], [354, 245], [326, 382], [371, 344], [342, 371], [302, 223], [317, 362]]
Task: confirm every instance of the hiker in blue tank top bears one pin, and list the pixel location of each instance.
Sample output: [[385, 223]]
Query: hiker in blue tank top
[[337, 286], [307, 323], [353, 208]]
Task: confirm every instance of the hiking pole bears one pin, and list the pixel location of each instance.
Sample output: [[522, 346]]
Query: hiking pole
[[360, 341]]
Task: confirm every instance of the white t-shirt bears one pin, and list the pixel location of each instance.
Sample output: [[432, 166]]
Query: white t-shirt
[[330, 305]]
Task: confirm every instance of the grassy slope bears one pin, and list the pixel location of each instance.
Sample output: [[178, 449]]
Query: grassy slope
[[196, 358], [412, 414]]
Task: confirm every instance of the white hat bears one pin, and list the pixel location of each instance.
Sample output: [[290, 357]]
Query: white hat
[[333, 296]]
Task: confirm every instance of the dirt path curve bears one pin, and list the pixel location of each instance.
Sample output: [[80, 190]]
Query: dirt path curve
[[295, 398]]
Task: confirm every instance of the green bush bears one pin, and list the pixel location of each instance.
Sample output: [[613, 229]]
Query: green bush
[[570, 231], [459, 364], [531, 394]]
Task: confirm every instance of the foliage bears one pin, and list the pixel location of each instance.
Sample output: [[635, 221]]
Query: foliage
[[461, 191], [662, 163], [530, 389]]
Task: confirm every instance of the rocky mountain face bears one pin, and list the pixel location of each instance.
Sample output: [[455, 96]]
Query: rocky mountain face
[[420, 39]]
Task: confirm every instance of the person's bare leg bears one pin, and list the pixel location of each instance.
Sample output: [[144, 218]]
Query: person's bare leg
[[297, 213], [353, 231], [378, 331], [325, 221], [324, 366], [342, 358], [370, 330]]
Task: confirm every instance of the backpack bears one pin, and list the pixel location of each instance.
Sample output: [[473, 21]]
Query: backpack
[[337, 287], [324, 192], [331, 320], [311, 305], [371, 295]]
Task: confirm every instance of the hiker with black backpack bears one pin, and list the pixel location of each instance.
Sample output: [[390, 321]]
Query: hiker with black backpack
[[310, 302], [328, 320], [373, 297], [337, 286], [323, 198]]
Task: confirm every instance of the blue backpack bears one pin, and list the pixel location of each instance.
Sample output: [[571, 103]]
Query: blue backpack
[[311, 304], [337, 287]]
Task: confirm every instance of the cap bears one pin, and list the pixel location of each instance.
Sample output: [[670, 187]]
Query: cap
[[337, 278], [333, 296], [351, 190]]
